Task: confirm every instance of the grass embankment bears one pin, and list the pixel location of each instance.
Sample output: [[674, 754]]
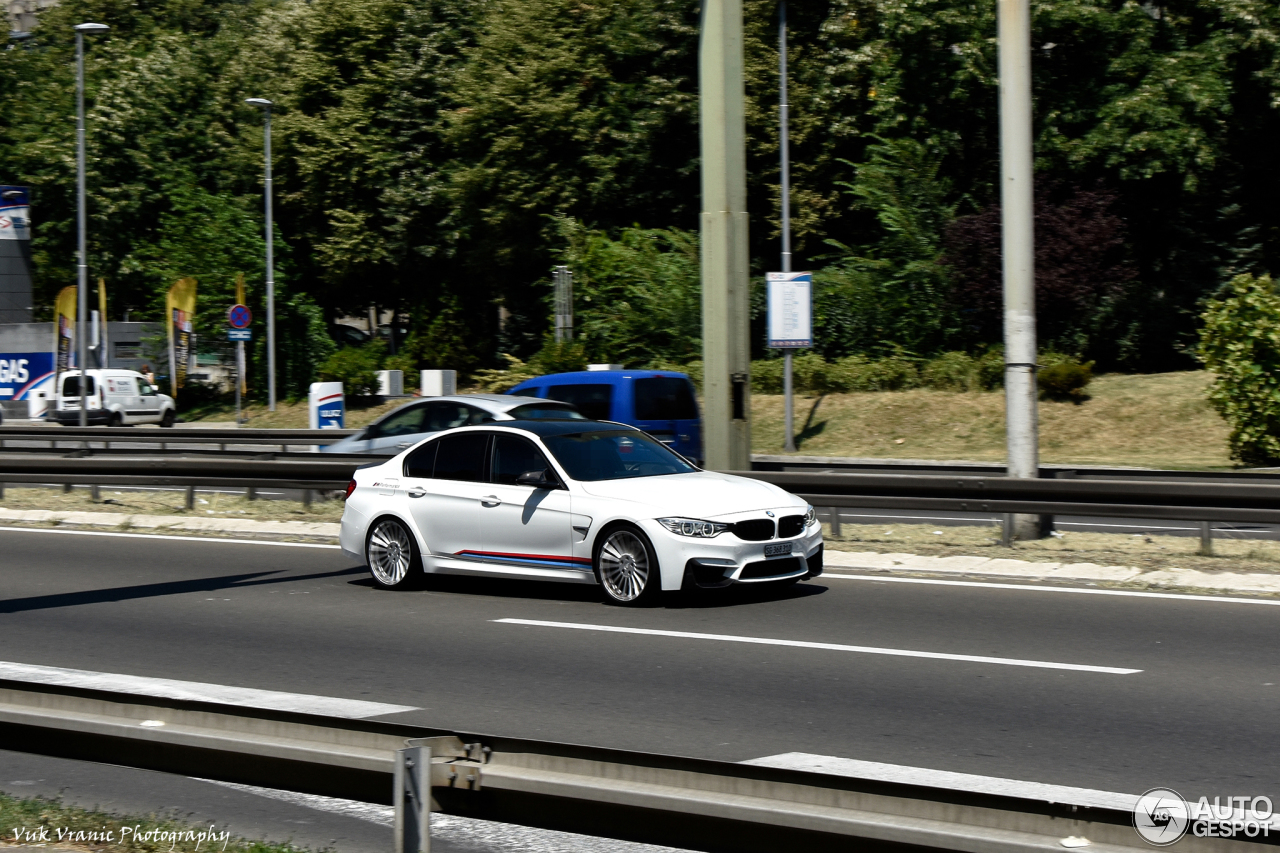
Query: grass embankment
[[83, 829], [208, 505], [288, 415], [1149, 552], [1157, 420]]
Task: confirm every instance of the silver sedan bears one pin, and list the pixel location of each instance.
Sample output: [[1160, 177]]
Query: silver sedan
[[412, 422]]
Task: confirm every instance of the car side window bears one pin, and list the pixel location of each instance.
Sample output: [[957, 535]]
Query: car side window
[[594, 400], [406, 421], [513, 456], [145, 389], [462, 457], [441, 416], [478, 416], [421, 463]]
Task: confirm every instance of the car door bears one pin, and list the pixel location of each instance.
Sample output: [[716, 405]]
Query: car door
[[445, 482], [527, 530], [666, 408], [398, 430], [150, 401]]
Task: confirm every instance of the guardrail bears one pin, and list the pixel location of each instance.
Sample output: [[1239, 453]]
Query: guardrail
[[282, 438], [1187, 500], [685, 802]]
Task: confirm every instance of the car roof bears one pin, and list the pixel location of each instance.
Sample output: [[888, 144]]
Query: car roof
[[543, 429], [598, 377]]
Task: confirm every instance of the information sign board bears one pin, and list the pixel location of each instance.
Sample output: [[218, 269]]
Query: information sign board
[[790, 310]]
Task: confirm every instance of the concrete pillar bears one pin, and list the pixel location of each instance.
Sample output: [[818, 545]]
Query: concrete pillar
[[726, 349]]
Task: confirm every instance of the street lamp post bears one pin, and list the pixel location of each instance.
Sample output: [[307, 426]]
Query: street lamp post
[[271, 277], [82, 264]]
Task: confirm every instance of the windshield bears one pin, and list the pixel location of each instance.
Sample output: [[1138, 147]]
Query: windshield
[[614, 455], [546, 412]]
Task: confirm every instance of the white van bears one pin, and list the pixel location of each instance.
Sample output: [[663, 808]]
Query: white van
[[113, 398]]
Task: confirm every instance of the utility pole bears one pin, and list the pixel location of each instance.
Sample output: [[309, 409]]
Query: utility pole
[[1018, 241], [784, 148], [82, 262], [271, 259], [726, 350]]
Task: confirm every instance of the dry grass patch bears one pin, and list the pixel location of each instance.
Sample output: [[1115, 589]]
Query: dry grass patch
[[290, 415], [213, 505], [1159, 420], [1148, 552]]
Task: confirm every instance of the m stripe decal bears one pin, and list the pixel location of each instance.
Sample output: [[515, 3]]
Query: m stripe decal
[[535, 559]]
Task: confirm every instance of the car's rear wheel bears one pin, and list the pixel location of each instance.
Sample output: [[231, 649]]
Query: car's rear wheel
[[392, 555], [626, 566]]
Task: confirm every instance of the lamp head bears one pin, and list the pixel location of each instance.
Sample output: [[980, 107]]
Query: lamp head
[[91, 28], [258, 102]]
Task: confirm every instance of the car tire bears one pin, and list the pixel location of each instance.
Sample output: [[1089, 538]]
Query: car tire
[[392, 555], [166, 420], [115, 420], [626, 566]]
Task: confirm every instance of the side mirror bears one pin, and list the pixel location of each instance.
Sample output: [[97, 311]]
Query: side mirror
[[541, 479]]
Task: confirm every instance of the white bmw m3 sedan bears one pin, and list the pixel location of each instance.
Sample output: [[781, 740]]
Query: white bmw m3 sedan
[[574, 501]]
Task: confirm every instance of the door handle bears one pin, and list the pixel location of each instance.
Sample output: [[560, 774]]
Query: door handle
[[491, 500], [415, 494], [402, 445]]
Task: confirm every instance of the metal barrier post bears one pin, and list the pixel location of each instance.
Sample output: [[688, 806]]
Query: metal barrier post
[[412, 794], [252, 494], [95, 494], [306, 498], [835, 520], [1206, 539], [191, 497]]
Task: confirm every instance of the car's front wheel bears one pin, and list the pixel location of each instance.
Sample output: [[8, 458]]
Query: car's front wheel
[[166, 420], [392, 555], [626, 566]]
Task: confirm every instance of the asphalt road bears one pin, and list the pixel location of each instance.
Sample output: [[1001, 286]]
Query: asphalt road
[[1111, 692]]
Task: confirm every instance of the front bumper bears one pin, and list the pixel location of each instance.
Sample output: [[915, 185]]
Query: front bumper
[[726, 560]]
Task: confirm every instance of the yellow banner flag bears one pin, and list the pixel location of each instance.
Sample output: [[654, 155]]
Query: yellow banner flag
[[180, 312], [64, 328], [102, 318]]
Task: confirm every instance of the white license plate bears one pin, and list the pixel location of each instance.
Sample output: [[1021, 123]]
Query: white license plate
[[777, 549]]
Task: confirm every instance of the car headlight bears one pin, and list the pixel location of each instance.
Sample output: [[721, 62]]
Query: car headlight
[[694, 527], [810, 516]]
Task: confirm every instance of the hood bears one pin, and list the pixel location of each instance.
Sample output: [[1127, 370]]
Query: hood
[[705, 494]]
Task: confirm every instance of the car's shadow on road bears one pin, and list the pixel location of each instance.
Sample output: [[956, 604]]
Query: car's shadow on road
[[734, 596]]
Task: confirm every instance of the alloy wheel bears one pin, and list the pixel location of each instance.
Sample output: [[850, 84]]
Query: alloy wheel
[[624, 566], [389, 553]]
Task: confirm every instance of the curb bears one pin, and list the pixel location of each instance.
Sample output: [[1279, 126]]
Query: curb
[[1026, 570], [310, 531]]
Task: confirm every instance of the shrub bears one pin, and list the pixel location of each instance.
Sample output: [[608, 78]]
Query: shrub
[[405, 362], [990, 369], [857, 373], [495, 381], [1064, 379], [355, 367], [766, 376], [951, 371], [1240, 342], [562, 357]]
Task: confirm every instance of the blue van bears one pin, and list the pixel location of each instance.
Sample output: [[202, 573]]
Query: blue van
[[660, 402]]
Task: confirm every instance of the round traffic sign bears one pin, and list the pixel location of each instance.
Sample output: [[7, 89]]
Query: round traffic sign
[[239, 317]]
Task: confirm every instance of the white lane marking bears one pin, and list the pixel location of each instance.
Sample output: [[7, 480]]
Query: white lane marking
[[167, 688], [850, 767], [835, 647], [466, 833], [171, 538], [1069, 589]]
